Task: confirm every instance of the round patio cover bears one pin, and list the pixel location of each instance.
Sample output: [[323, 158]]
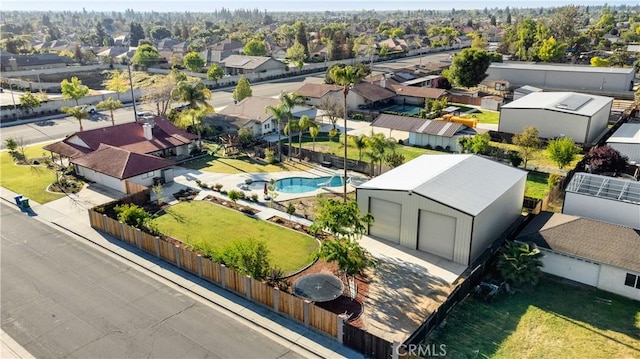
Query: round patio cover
[[318, 287]]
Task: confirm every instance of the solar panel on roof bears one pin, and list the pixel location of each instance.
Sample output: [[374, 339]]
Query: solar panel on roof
[[573, 102]]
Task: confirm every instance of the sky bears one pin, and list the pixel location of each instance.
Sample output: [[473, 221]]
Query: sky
[[284, 5]]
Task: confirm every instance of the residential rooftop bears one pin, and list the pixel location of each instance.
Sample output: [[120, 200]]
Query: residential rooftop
[[568, 102], [562, 68]]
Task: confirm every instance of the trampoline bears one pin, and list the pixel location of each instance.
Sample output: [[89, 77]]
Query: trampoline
[[318, 287]]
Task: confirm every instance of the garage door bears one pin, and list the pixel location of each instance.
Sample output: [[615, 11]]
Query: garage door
[[437, 234], [386, 219]]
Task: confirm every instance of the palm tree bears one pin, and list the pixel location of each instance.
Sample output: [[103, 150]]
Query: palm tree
[[346, 77], [314, 130], [289, 128], [520, 263], [195, 116], [110, 104], [78, 112], [360, 143], [278, 113], [303, 124], [378, 145], [196, 94]]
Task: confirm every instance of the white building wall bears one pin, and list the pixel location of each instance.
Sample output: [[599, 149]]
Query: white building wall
[[572, 268], [183, 150], [550, 124], [497, 217], [560, 79], [631, 150], [101, 178], [606, 210], [421, 139], [599, 122], [612, 280], [353, 100], [411, 206], [145, 179]]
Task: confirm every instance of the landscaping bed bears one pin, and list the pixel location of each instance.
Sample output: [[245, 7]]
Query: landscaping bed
[[233, 205]]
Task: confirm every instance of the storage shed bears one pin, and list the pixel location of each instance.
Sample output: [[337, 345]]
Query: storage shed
[[574, 77], [453, 206], [581, 117], [626, 140], [587, 251], [608, 199]]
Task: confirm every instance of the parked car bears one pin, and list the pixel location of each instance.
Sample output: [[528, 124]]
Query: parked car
[[142, 114], [89, 108]]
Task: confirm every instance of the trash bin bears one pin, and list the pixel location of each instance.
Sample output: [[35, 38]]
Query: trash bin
[[18, 199], [25, 202]]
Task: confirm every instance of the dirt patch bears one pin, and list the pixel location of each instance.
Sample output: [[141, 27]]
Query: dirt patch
[[306, 206]]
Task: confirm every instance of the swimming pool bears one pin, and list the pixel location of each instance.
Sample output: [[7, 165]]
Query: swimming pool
[[302, 185], [407, 109]]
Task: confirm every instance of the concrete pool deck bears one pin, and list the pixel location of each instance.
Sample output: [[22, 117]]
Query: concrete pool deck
[[186, 177]]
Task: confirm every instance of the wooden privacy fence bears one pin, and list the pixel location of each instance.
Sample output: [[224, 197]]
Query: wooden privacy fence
[[301, 310]]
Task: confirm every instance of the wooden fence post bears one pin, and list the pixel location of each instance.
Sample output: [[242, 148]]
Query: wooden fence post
[[176, 249], [305, 310], [247, 286], [395, 348], [139, 238], [199, 265], [104, 222], [156, 244], [223, 275], [122, 231], [342, 318], [276, 299]]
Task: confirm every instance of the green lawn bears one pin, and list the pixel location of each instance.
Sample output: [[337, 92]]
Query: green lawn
[[200, 221], [539, 159], [537, 186], [485, 116], [29, 181], [239, 165], [553, 320]]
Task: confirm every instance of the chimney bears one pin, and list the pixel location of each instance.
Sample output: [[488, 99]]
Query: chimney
[[146, 128], [383, 82], [13, 64]]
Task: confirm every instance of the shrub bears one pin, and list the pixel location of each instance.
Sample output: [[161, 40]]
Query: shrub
[[275, 278], [254, 197], [270, 156], [246, 209], [217, 187], [250, 257], [428, 146], [234, 195], [132, 215], [242, 195], [439, 148], [514, 158], [553, 180]]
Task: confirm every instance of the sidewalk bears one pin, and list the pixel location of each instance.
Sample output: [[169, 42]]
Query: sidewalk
[[292, 332]]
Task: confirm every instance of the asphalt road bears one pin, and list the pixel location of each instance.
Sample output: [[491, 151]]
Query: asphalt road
[[64, 298]]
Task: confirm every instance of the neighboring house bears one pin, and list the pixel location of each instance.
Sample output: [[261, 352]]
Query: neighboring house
[[318, 94], [113, 51], [417, 96], [112, 166], [13, 62], [524, 91], [422, 132], [581, 117], [575, 77], [587, 251], [453, 206], [122, 40], [158, 139], [626, 140], [367, 95], [167, 43], [249, 113], [217, 52], [394, 45], [240, 64], [609, 199]]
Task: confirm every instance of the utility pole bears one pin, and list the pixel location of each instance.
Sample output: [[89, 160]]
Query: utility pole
[[133, 96]]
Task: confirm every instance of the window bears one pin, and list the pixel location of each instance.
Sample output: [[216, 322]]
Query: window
[[266, 126], [632, 280], [147, 175]]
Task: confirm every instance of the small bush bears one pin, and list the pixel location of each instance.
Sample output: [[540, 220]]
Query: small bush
[[199, 183], [439, 148], [132, 215], [234, 195], [270, 156], [401, 142], [246, 209], [514, 158], [428, 146], [217, 187], [553, 180], [254, 197]]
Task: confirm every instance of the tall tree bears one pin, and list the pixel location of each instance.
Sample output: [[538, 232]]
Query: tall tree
[[215, 73], [279, 114], [242, 90], [551, 50], [146, 55], [29, 101], [160, 94], [562, 151], [605, 159], [469, 67], [136, 33], [78, 112], [314, 130], [346, 77], [360, 143], [301, 36], [116, 81], [193, 61], [255, 48], [527, 142], [111, 105], [289, 129], [74, 89], [296, 54], [341, 219], [195, 93], [194, 118]]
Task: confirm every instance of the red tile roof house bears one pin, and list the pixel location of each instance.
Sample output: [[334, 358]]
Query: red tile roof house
[[136, 152]]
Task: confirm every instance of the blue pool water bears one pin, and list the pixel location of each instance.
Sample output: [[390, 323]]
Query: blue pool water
[[302, 185]]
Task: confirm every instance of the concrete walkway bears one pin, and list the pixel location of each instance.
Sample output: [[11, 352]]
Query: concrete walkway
[[75, 224]]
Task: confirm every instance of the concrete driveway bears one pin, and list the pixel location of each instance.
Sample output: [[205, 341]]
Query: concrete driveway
[[76, 205]]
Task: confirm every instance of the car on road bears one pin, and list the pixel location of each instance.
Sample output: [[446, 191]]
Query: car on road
[[142, 114], [90, 109]]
